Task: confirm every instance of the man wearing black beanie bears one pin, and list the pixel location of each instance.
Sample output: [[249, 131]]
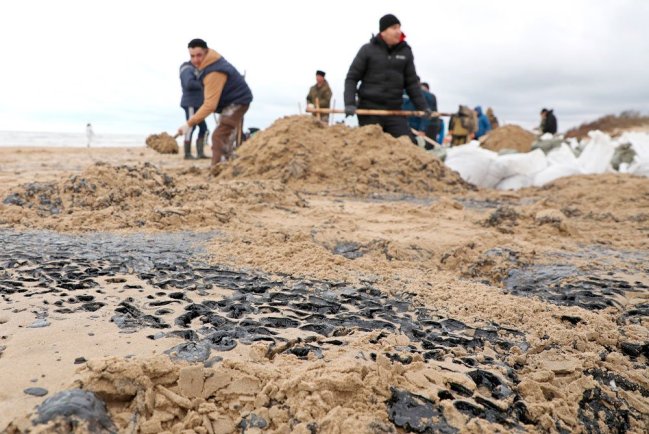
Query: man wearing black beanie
[[385, 67]]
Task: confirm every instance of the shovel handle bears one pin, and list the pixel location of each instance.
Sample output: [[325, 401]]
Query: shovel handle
[[374, 112]]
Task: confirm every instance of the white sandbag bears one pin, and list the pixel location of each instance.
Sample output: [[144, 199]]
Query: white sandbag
[[624, 168], [555, 171], [640, 168], [515, 182], [639, 143], [562, 155], [473, 164], [596, 156], [573, 143], [547, 136], [527, 163]]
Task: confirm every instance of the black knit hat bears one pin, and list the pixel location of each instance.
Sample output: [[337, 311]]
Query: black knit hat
[[320, 73], [387, 21]]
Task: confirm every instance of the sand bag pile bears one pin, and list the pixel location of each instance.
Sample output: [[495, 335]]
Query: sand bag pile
[[510, 137], [162, 143], [307, 156]]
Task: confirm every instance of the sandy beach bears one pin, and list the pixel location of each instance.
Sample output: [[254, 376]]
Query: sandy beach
[[327, 280]]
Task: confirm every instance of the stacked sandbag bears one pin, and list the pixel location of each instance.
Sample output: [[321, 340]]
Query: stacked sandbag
[[511, 171], [474, 164], [640, 145]]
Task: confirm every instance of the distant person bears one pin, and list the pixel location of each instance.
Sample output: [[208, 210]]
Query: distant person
[[432, 126], [484, 126], [90, 134], [442, 131], [462, 126], [191, 100], [385, 67], [423, 126], [548, 122], [320, 94], [226, 92], [493, 120]]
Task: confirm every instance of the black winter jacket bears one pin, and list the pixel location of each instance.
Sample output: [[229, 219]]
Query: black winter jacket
[[384, 73], [550, 123]]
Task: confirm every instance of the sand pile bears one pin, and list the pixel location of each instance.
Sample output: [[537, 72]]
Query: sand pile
[[107, 197], [306, 155], [163, 143], [612, 124], [509, 137]]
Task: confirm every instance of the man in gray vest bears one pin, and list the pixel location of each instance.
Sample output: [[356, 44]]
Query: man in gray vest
[[225, 92]]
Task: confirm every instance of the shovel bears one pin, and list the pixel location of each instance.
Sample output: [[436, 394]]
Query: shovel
[[374, 112]]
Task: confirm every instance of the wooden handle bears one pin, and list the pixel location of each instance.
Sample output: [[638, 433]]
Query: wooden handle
[[426, 138], [374, 112]]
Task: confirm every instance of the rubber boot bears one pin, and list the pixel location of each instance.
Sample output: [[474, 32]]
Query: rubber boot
[[188, 150], [200, 146]]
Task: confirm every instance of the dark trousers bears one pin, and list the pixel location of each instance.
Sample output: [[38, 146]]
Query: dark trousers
[[396, 126], [225, 137]]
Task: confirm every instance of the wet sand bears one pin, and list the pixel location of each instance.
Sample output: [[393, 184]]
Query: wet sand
[[327, 280]]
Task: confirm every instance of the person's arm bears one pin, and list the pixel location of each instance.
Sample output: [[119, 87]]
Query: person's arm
[[188, 79], [433, 102], [194, 84], [213, 87], [413, 88], [354, 75]]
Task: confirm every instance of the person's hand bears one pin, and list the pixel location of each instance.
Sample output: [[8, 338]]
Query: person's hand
[[350, 110], [182, 130], [428, 113]]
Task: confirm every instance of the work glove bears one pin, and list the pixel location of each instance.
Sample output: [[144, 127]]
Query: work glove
[[350, 110], [182, 130], [428, 113]]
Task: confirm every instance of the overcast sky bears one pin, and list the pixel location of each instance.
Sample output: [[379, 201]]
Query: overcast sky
[[115, 63]]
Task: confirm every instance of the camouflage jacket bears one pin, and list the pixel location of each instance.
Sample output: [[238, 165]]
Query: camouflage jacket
[[323, 93]]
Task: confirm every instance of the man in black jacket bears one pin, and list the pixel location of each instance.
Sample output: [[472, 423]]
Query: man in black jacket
[[548, 122], [384, 66]]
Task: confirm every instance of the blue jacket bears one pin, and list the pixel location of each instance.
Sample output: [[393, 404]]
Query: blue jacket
[[191, 85], [419, 124], [484, 126]]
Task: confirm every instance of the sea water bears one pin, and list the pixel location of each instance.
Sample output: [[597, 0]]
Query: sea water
[[68, 140]]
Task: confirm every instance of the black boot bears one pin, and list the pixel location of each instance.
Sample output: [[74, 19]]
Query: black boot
[[188, 150], [200, 146]]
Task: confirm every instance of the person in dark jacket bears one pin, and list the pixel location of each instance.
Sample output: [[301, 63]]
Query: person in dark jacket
[[385, 67], [226, 92], [432, 126], [548, 122], [191, 100], [484, 126]]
